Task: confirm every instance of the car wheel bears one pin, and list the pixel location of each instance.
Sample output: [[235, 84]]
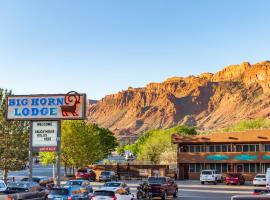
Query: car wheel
[[139, 195], [202, 182], [164, 197], [215, 182], [175, 194]]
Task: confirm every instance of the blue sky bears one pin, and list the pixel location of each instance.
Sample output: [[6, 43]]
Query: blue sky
[[103, 46]]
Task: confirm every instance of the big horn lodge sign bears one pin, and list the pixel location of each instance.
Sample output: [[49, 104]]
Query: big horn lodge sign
[[46, 135], [46, 107]]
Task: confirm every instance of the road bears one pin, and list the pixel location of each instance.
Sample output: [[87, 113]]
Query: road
[[192, 190], [38, 170]]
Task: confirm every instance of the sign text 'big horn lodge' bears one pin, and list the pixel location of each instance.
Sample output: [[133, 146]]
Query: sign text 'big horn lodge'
[[55, 107]]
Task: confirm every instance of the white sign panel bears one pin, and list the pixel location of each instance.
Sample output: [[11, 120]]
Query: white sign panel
[[44, 134], [46, 107]]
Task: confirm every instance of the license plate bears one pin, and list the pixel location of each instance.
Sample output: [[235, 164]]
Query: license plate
[[231, 182]]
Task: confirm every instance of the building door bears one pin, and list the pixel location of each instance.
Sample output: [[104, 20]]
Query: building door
[[239, 168], [186, 171]]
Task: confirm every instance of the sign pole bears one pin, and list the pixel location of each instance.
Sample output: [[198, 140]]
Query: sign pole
[[58, 181], [31, 152]]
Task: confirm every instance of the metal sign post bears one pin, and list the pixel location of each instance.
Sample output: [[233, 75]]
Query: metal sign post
[[58, 180], [30, 153]]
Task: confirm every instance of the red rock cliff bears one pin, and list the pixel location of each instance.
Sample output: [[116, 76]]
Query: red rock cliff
[[208, 101]]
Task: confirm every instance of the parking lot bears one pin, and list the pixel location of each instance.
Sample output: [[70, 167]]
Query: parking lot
[[192, 190]]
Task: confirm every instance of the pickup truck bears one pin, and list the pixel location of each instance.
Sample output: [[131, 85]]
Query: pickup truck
[[161, 186]]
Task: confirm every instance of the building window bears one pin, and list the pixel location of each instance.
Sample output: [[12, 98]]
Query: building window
[[218, 148], [245, 148], [191, 167], [198, 148], [218, 167], [238, 148], [252, 148], [198, 167], [246, 167], [191, 149], [258, 168], [184, 148], [267, 147], [252, 167], [239, 168], [212, 166], [225, 167], [211, 148], [224, 148]]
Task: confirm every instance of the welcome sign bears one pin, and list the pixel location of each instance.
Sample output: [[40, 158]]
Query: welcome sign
[[51, 107], [44, 135]]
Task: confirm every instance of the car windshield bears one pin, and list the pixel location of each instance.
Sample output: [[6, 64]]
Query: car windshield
[[2, 185], [233, 175], [104, 193], [112, 184], [159, 180], [260, 176], [207, 172], [59, 191], [18, 185], [105, 173], [82, 170], [37, 180], [74, 183]]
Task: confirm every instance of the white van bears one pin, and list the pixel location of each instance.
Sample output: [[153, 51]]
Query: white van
[[268, 178], [210, 176]]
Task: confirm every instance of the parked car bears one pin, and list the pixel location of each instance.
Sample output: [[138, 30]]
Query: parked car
[[3, 186], [161, 186], [210, 176], [108, 176], [115, 185], [268, 178], [85, 184], [235, 178], [42, 181], [87, 174], [260, 191], [68, 193], [22, 186], [259, 179], [107, 194]]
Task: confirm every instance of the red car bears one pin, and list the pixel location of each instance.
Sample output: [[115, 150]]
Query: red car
[[236, 179], [86, 173]]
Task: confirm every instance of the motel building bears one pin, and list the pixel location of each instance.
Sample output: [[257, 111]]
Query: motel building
[[246, 152]]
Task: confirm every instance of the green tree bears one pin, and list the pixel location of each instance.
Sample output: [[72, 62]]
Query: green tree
[[83, 144], [156, 146], [14, 140], [248, 125]]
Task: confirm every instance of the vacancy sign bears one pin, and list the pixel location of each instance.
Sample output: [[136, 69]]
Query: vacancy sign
[[44, 135]]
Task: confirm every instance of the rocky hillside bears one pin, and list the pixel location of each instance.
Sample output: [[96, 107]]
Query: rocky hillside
[[208, 101]]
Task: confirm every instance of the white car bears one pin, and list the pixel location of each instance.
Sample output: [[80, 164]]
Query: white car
[[212, 176], [118, 194], [3, 186], [259, 179], [268, 178], [114, 185]]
